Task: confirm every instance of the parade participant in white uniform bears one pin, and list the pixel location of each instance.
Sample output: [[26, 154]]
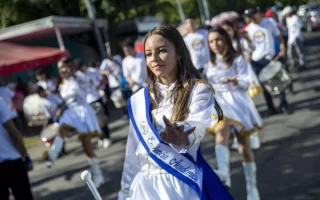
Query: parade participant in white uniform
[[50, 104], [197, 43], [243, 47], [295, 38], [168, 121], [79, 117], [261, 31], [14, 160], [92, 96], [133, 66], [227, 72], [112, 70], [45, 82]]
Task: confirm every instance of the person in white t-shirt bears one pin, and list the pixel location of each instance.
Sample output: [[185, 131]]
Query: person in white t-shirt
[[112, 70], [295, 39], [50, 104], [261, 33], [45, 82], [197, 43], [14, 159], [134, 67]]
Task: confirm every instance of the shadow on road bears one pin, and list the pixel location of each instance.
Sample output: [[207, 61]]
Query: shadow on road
[[287, 168]]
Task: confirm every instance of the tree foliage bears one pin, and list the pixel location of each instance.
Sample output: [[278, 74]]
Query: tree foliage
[[18, 11]]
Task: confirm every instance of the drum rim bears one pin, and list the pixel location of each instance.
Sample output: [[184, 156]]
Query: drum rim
[[263, 79]]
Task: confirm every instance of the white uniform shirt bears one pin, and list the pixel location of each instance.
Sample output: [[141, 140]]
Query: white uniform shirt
[[94, 75], [7, 149], [115, 71], [197, 44], [218, 72], [49, 105], [87, 85], [262, 37], [294, 29], [136, 68], [7, 94], [72, 93], [200, 115]]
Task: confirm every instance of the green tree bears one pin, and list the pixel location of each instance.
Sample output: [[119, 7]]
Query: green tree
[[18, 11]]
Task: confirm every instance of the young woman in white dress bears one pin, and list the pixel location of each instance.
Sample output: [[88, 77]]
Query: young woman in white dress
[[227, 72], [79, 117], [168, 121], [244, 48]]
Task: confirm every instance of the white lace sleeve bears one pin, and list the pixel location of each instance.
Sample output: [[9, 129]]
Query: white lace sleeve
[[131, 164]]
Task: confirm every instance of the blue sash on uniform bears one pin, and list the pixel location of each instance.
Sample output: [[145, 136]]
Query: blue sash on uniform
[[196, 174]]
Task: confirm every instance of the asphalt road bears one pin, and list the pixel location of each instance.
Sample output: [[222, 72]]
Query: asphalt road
[[288, 161]]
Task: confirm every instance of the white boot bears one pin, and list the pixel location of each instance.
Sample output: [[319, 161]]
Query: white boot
[[55, 150], [223, 164], [106, 143], [235, 143], [255, 141], [251, 180], [97, 177]]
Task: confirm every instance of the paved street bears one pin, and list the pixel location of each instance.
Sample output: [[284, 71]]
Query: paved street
[[288, 161]]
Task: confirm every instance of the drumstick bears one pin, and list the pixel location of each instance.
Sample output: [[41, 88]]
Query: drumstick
[[86, 176]]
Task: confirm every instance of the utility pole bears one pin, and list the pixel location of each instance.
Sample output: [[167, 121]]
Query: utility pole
[[180, 8], [92, 15], [206, 9], [201, 11]]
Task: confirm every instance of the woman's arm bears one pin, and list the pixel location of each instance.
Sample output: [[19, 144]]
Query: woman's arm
[[131, 164], [202, 109], [242, 80]]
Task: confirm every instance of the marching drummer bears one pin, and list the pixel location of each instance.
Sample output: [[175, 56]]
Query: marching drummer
[[261, 32], [197, 43]]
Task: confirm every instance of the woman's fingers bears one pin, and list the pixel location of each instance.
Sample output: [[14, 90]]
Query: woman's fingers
[[188, 132], [163, 135], [167, 122], [180, 128]]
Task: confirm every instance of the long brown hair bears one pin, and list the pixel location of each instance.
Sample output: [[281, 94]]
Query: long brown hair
[[229, 53], [236, 36], [186, 73]]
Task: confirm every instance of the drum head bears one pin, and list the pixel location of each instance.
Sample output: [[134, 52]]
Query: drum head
[[31, 105], [50, 131], [270, 71]]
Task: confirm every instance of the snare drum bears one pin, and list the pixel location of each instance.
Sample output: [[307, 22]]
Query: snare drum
[[274, 77]]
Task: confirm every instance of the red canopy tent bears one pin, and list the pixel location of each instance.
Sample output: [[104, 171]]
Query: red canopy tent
[[16, 58]]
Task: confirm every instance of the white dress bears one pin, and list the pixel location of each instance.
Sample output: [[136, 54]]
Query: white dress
[[79, 114], [254, 87], [143, 178], [237, 106]]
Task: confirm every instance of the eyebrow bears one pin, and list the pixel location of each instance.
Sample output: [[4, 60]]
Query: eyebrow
[[162, 46]]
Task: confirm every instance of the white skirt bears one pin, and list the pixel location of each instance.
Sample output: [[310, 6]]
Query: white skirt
[[159, 187], [239, 111], [82, 118]]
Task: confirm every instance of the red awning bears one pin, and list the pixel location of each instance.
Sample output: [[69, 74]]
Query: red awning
[[16, 58]]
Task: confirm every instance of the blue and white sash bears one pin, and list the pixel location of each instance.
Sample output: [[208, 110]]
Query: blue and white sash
[[179, 165], [196, 174]]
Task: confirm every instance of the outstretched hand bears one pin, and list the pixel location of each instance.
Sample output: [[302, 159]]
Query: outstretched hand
[[175, 134]]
